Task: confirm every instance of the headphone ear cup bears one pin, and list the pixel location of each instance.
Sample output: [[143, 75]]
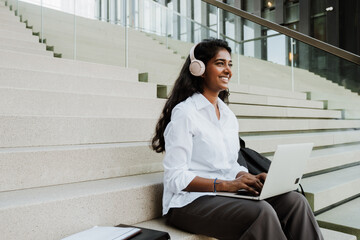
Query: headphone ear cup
[[197, 67]]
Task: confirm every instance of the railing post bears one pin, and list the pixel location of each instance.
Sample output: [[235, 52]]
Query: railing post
[[218, 22], [126, 36], [75, 30], [238, 63], [292, 64], [41, 24], [167, 25]]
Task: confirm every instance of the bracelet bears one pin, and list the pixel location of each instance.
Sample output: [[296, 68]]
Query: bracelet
[[215, 184]]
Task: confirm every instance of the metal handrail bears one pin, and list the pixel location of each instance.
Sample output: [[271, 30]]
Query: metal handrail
[[288, 32]]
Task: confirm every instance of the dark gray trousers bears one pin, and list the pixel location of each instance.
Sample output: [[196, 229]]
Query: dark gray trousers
[[287, 216]]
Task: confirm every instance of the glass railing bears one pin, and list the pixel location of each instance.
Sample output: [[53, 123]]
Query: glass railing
[[112, 32]]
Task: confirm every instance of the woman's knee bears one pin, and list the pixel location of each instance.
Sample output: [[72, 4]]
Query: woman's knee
[[295, 199], [266, 211]]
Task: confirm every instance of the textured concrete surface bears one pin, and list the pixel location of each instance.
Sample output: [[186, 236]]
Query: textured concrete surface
[[66, 82], [326, 189], [282, 112], [46, 166], [50, 103], [344, 218], [25, 61], [258, 125], [56, 212]]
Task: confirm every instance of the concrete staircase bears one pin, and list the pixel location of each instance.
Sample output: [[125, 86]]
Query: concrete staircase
[[74, 145]]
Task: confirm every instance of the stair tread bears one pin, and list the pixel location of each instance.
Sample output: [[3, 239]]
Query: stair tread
[[267, 143], [34, 196], [282, 111], [331, 180], [345, 217], [263, 124]]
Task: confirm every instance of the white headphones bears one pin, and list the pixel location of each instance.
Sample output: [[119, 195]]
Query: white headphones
[[197, 67]]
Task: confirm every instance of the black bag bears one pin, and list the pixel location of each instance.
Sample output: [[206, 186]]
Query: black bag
[[148, 234], [254, 161]]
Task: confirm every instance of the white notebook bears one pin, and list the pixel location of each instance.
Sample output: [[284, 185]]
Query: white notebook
[[105, 233]]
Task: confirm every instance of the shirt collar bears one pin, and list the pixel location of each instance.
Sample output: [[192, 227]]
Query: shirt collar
[[202, 102]]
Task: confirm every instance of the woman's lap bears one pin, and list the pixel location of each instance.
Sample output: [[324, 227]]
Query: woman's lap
[[233, 218]]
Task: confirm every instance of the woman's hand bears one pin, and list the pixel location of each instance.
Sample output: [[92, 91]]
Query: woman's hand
[[246, 181]]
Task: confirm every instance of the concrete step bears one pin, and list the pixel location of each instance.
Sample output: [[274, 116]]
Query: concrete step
[[335, 95], [333, 104], [50, 167], [27, 36], [15, 27], [256, 90], [25, 50], [47, 166], [27, 131], [49, 103], [87, 46], [241, 110], [351, 114], [23, 44], [273, 101], [8, 16], [15, 60], [63, 82], [176, 234], [255, 95], [59, 211], [335, 235], [267, 143], [334, 157], [344, 218], [272, 125], [327, 189]]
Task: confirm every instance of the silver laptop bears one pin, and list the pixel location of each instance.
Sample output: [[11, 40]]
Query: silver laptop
[[285, 172]]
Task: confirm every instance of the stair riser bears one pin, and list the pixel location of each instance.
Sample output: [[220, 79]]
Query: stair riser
[[332, 161], [15, 60], [23, 36], [26, 50], [40, 103], [23, 44], [328, 198], [42, 167], [47, 131], [68, 216], [28, 79], [265, 145], [243, 88], [260, 125], [261, 111], [273, 101]]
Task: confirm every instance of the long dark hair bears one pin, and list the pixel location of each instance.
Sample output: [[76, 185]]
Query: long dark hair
[[186, 85]]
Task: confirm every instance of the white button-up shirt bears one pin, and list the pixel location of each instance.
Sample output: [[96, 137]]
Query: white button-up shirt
[[198, 144]]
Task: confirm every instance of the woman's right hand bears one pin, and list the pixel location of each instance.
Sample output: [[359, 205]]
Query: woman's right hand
[[246, 181]]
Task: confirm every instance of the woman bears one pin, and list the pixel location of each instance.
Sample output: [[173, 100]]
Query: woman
[[199, 134]]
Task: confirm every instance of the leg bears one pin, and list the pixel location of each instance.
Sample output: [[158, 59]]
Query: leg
[[295, 216], [228, 219]]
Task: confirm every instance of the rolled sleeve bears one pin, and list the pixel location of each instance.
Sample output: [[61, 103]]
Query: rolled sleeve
[[178, 151]]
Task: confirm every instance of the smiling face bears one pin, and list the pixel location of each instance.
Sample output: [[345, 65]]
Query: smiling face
[[218, 72]]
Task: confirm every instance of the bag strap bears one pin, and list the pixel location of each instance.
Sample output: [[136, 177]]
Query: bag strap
[[302, 190], [242, 143]]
